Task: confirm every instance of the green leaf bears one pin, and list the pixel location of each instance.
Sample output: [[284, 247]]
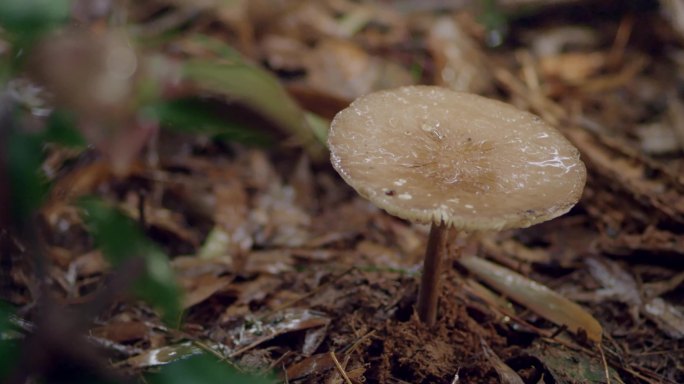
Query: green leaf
[[28, 184], [61, 129], [495, 22], [319, 126], [204, 369], [26, 20], [216, 47], [9, 349], [195, 116], [257, 89], [120, 240]]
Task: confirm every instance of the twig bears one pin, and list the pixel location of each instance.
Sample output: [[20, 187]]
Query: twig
[[357, 342], [617, 51], [287, 380], [340, 370], [605, 363]]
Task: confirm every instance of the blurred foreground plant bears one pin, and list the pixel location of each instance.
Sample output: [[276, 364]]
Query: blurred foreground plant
[[100, 91]]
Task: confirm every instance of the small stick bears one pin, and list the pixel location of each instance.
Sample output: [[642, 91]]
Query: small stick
[[340, 369], [605, 363]]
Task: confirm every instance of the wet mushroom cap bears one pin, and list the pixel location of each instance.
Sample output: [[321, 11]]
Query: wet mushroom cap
[[431, 155]]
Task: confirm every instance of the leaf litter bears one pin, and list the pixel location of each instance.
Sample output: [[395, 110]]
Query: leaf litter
[[284, 269]]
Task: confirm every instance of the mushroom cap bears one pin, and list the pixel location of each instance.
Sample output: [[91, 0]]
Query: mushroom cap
[[431, 155]]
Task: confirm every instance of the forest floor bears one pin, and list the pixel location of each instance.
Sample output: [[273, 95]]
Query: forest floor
[[284, 268]]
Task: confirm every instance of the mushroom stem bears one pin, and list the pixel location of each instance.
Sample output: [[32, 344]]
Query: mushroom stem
[[432, 269]]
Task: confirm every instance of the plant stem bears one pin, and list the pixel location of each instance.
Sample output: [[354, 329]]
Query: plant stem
[[432, 270]]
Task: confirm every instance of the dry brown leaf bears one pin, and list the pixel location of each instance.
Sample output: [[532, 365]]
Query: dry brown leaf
[[159, 217], [312, 365], [669, 318], [380, 254], [91, 263], [200, 288], [278, 220], [573, 68], [617, 284], [272, 262], [459, 61], [535, 296], [192, 266], [122, 331], [626, 171], [506, 374], [254, 333]]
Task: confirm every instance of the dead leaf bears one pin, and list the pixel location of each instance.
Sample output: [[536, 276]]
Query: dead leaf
[[571, 367], [312, 365], [668, 317], [272, 262], [202, 287], [573, 68], [617, 284], [535, 296], [91, 263], [122, 331], [256, 332], [506, 374], [460, 64], [163, 355]]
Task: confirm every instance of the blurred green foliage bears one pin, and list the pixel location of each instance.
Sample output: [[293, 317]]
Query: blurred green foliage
[[61, 129], [120, 240], [257, 89], [495, 22], [8, 346], [204, 369], [28, 183], [24, 18], [23, 23], [195, 116], [24, 150]]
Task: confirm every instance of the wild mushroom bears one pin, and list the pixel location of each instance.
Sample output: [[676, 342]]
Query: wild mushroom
[[430, 155]]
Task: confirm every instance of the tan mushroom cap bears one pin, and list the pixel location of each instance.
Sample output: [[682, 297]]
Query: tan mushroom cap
[[431, 155]]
